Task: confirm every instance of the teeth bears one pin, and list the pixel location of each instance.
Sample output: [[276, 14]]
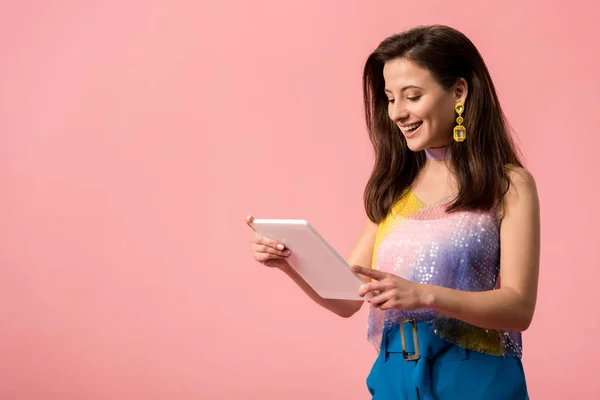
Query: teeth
[[411, 128]]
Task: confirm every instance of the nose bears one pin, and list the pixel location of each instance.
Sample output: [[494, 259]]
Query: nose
[[397, 111]]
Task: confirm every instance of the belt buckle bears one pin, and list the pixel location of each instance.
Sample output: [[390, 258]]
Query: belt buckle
[[417, 354]]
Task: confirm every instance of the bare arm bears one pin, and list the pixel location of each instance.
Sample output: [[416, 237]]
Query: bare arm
[[266, 251]]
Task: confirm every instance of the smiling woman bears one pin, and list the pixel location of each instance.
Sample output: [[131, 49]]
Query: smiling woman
[[456, 253], [450, 250]]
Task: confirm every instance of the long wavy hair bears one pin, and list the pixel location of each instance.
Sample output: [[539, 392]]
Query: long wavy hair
[[477, 163]]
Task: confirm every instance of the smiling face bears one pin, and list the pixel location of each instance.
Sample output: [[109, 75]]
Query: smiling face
[[419, 105]]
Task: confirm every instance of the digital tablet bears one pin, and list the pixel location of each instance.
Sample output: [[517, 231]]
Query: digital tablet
[[313, 258]]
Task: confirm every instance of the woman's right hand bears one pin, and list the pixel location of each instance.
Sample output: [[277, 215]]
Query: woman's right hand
[[267, 251]]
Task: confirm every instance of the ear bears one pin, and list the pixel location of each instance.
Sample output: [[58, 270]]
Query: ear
[[461, 90]]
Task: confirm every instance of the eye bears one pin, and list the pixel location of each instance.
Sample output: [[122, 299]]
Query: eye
[[390, 101], [414, 98]]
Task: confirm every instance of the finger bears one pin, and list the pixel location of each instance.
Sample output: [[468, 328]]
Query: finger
[[371, 273], [249, 220], [373, 286], [380, 299], [386, 305], [258, 239], [265, 257], [261, 248]]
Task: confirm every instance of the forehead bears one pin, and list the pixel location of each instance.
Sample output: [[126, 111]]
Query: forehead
[[402, 72]]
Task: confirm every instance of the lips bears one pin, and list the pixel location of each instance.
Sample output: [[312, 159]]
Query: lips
[[410, 130]]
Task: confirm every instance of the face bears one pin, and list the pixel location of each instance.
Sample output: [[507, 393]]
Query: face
[[419, 106]]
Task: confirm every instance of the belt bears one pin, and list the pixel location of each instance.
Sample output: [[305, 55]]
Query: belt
[[419, 346]]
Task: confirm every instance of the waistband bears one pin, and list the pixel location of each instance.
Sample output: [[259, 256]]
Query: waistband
[[419, 345], [419, 340]]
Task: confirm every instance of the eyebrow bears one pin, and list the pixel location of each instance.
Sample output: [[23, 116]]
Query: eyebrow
[[405, 88]]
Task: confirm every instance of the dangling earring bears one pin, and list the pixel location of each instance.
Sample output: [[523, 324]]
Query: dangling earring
[[460, 132]]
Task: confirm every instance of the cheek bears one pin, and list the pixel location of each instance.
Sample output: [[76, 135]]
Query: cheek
[[419, 110], [426, 112], [438, 116]]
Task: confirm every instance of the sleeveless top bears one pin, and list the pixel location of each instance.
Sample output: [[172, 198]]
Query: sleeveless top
[[459, 250]]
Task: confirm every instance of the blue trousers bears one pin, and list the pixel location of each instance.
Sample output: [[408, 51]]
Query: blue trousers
[[443, 371]]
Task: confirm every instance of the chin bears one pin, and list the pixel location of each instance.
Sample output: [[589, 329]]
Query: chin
[[416, 145]]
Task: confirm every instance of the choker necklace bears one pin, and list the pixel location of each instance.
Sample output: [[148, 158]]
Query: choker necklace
[[438, 153]]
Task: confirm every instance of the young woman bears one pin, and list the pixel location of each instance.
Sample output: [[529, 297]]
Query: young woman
[[451, 246]]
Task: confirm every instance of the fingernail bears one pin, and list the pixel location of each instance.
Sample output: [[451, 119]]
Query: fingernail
[[287, 252], [354, 267], [280, 246]]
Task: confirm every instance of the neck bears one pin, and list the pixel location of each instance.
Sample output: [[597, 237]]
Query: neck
[[438, 153]]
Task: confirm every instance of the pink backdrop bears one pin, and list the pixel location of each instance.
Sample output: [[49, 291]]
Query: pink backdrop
[[137, 135]]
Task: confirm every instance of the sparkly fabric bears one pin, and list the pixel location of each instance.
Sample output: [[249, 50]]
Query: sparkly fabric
[[459, 250]]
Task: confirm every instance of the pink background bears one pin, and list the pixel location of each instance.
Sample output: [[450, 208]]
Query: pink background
[[137, 135]]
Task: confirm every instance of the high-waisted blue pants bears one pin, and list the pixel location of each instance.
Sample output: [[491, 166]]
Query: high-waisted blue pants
[[443, 371]]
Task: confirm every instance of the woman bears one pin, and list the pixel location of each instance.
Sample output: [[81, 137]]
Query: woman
[[450, 249]]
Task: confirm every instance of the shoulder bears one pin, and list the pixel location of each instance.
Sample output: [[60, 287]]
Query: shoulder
[[520, 181], [522, 191], [519, 175]]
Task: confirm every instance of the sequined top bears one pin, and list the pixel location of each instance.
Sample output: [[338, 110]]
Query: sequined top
[[459, 250]]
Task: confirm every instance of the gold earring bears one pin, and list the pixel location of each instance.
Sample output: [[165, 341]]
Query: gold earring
[[460, 132]]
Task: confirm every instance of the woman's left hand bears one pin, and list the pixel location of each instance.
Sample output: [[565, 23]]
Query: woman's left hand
[[390, 291]]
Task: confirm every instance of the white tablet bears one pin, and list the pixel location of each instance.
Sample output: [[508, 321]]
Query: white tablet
[[313, 258]]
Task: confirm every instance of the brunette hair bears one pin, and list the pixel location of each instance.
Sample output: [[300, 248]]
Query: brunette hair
[[478, 163]]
